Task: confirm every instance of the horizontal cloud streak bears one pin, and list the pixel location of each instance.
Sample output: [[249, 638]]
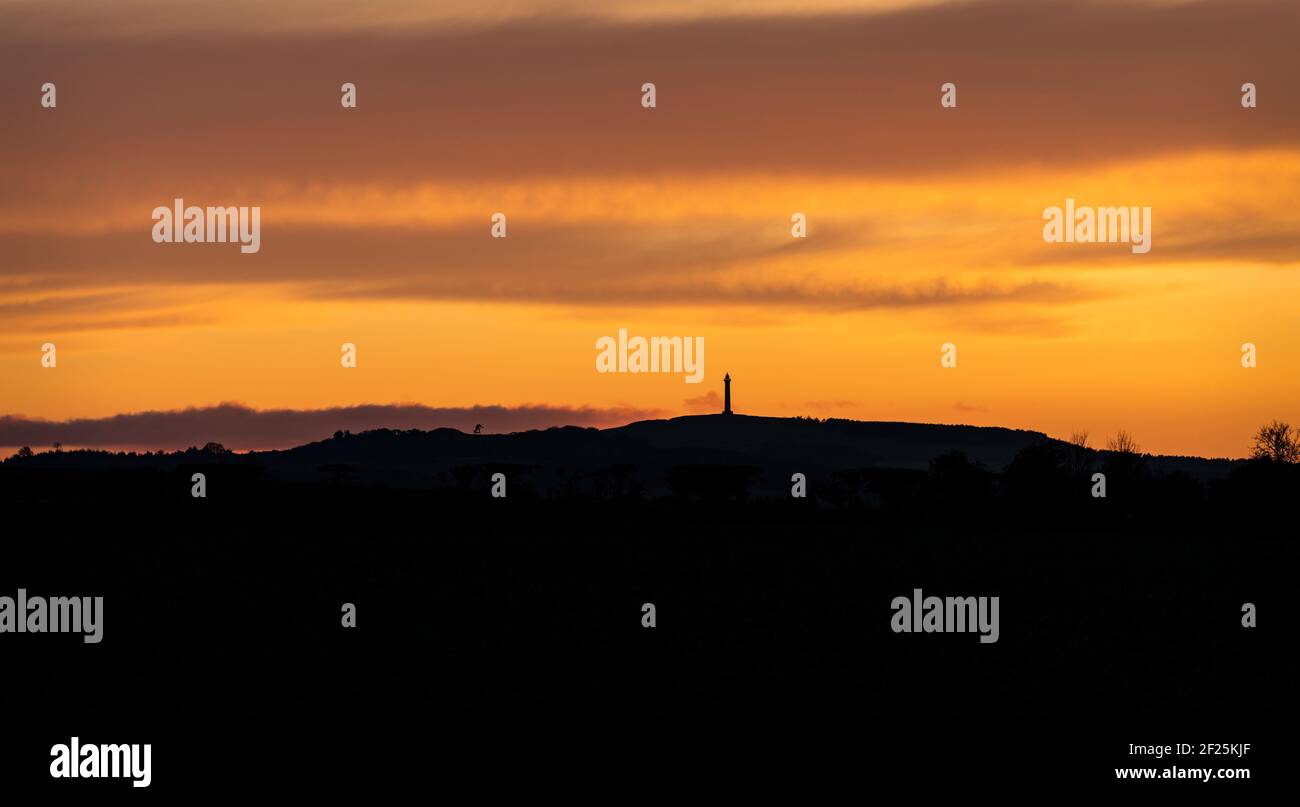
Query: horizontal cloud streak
[[135, 19], [1039, 83], [569, 266], [239, 427]]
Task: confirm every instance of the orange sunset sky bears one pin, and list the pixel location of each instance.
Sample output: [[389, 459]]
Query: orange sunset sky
[[924, 224]]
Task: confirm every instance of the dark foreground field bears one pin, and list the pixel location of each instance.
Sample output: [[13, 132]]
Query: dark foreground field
[[499, 641]]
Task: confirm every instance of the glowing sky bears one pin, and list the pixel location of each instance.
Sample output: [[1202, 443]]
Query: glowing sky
[[924, 224]]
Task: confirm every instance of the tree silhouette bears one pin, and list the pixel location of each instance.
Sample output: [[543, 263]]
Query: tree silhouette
[[1127, 474], [1277, 442], [957, 486], [1080, 457], [1122, 443], [1038, 479]]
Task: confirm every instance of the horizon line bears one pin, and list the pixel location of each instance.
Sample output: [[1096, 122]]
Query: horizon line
[[179, 430]]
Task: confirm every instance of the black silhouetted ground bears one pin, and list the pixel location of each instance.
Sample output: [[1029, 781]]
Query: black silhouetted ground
[[505, 634]]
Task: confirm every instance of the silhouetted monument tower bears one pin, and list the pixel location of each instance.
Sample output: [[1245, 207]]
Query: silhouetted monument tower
[[726, 394]]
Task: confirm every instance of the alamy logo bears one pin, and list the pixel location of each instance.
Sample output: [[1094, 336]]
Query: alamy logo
[[25, 614], [946, 615], [76, 761], [213, 225], [1102, 225], [658, 354]]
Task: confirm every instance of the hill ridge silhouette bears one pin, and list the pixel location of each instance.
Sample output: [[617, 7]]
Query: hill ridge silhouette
[[777, 445]]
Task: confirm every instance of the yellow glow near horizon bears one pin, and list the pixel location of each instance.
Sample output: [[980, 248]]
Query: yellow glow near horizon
[[1148, 343]]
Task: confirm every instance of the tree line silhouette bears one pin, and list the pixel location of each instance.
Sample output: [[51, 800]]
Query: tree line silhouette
[[1046, 482]]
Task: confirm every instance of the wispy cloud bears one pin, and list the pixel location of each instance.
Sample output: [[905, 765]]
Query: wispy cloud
[[606, 268], [709, 402]]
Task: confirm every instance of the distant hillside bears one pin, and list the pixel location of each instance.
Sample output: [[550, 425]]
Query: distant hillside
[[830, 443], [567, 459]]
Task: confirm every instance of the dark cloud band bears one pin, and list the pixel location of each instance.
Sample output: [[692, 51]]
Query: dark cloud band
[[239, 427]]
